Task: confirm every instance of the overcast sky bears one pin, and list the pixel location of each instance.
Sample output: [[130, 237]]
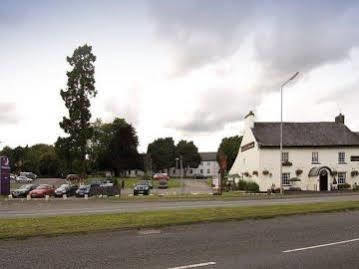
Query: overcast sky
[[186, 69]]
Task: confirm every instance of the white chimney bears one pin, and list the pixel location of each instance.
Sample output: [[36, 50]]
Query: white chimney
[[249, 119]]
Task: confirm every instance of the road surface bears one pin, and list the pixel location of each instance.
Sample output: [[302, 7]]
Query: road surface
[[311, 241], [55, 207]]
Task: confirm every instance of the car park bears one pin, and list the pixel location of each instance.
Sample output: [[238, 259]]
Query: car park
[[89, 190], [23, 179], [42, 190], [23, 190], [141, 188], [67, 189], [163, 184]]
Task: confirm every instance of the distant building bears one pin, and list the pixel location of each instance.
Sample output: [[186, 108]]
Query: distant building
[[208, 167], [316, 156]]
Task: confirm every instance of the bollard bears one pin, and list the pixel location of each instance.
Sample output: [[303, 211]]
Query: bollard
[[64, 196], [46, 197], [86, 196], [28, 197], [10, 197]]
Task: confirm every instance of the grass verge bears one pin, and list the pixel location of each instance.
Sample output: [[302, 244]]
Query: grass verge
[[51, 226]]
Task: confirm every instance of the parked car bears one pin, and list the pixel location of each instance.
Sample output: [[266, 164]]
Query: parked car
[[91, 189], [23, 179], [141, 188], [23, 190], [67, 189], [199, 176], [29, 175], [160, 176], [42, 190], [12, 177], [163, 184]]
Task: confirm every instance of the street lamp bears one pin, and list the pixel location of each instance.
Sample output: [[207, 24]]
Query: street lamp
[[180, 159], [281, 130]]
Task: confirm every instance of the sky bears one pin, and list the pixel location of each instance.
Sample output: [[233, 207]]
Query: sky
[[186, 69]]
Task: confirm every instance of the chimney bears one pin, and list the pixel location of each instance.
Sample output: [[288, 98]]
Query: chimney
[[249, 119], [339, 118]]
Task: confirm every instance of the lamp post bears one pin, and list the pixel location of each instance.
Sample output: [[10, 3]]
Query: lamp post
[[281, 130], [180, 159]]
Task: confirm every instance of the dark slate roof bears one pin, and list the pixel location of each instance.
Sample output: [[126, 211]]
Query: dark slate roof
[[304, 134], [208, 156]]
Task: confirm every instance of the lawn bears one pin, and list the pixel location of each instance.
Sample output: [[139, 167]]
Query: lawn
[[50, 226]]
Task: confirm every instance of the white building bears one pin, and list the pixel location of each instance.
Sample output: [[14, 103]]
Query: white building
[[208, 167], [316, 155]]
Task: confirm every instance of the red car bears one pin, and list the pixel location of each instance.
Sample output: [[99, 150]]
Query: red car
[[161, 176], [42, 190]]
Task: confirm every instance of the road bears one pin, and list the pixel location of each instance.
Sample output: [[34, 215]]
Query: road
[[55, 207], [311, 241]]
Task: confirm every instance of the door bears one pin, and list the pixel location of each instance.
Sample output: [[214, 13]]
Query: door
[[323, 180]]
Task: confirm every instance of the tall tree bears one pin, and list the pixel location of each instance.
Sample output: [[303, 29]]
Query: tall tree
[[80, 87], [163, 153], [229, 147], [189, 153]]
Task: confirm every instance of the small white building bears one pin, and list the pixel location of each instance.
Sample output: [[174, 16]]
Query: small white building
[[317, 156], [208, 167]]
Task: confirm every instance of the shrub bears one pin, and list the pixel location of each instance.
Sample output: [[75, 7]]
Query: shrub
[[265, 172], [298, 172], [255, 173], [242, 185], [252, 186], [344, 186]]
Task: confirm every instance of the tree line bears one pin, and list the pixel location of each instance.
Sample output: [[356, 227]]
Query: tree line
[[89, 147]]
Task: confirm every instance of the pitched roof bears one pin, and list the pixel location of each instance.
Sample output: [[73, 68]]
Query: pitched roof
[[208, 156], [304, 134]]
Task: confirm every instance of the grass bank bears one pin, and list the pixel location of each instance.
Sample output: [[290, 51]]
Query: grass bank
[[50, 226]]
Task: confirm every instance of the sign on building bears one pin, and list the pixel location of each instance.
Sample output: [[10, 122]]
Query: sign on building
[[4, 175]]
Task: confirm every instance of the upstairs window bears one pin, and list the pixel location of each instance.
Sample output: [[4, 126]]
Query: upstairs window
[[315, 158], [285, 157], [342, 177], [341, 157]]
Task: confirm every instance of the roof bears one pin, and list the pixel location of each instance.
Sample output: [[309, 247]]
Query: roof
[[208, 156], [304, 134]]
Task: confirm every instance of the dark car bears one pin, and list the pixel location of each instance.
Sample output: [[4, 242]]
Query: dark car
[[199, 176], [67, 189], [90, 190], [24, 190], [142, 188], [42, 190], [163, 184]]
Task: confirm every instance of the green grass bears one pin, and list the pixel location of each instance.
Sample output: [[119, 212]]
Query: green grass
[[50, 226]]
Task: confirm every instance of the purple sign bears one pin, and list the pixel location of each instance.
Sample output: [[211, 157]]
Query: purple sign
[[4, 175]]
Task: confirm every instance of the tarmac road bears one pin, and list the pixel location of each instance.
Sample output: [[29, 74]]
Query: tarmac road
[[311, 241], [38, 208]]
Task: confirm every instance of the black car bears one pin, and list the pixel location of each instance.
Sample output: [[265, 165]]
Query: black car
[[199, 176], [24, 190], [67, 189], [91, 189], [142, 188]]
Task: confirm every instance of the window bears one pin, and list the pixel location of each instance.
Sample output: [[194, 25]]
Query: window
[[285, 178], [341, 177], [201, 171], [315, 157], [341, 157], [285, 157], [191, 171], [208, 171]]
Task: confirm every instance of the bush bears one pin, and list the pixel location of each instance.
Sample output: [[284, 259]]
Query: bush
[[298, 172], [248, 186], [255, 173], [344, 186], [265, 172]]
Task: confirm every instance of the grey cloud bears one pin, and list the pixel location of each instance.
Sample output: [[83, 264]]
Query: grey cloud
[[218, 107], [8, 114], [289, 35]]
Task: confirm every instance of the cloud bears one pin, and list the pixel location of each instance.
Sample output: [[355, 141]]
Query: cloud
[[289, 35], [8, 114]]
